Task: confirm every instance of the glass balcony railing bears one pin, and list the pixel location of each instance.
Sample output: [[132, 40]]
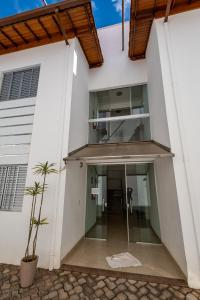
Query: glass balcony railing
[[119, 131]]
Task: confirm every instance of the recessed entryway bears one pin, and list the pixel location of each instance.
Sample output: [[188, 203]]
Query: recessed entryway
[[122, 216], [155, 259]]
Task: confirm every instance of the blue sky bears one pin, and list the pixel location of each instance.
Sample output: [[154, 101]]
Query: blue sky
[[106, 12]]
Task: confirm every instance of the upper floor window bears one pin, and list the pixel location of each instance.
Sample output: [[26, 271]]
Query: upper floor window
[[119, 102], [20, 84], [12, 185], [119, 115]]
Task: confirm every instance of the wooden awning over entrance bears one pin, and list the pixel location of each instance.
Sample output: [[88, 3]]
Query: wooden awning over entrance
[[142, 14], [123, 151], [50, 24]]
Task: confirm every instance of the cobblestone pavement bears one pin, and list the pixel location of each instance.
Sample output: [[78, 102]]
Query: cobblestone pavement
[[63, 284]]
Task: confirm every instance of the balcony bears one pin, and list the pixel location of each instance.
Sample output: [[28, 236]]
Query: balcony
[[119, 115]]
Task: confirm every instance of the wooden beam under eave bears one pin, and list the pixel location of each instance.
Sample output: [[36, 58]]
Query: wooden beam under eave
[[168, 8], [179, 8], [57, 15], [36, 43], [8, 37], [42, 11], [136, 57]]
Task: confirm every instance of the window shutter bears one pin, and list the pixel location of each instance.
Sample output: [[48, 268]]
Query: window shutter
[[16, 85], [34, 82], [20, 84], [26, 84], [5, 88], [12, 185]]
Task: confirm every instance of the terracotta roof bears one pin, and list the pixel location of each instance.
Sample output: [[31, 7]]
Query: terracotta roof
[[142, 14], [50, 24]]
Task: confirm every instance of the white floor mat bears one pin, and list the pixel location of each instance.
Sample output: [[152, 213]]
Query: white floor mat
[[123, 260]]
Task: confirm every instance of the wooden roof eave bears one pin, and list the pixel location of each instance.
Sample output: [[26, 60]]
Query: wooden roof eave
[[14, 29], [138, 40], [42, 11]]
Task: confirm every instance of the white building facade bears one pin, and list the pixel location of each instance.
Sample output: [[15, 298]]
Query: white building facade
[[55, 122]]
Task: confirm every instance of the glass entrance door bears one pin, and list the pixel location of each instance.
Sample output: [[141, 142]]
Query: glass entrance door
[[96, 205], [142, 210]]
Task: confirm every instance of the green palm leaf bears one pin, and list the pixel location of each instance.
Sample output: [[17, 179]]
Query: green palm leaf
[[45, 168]]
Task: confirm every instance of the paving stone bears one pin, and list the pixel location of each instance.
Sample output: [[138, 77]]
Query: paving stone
[[131, 288], [120, 281], [81, 281], [179, 295], [5, 286], [196, 293], [64, 284], [139, 284], [5, 296], [78, 289], [152, 297], [191, 297], [99, 293], [71, 278], [64, 273], [152, 290], [110, 284], [74, 297], [101, 278], [87, 290], [186, 290], [33, 291], [62, 295], [101, 284], [121, 296], [51, 295], [108, 293], [57, 286], [142, 291], [166, 295], [14, 278], [67, 287], [90, 281], [112, 278], [131, 296], [120, 288], [162, 286]]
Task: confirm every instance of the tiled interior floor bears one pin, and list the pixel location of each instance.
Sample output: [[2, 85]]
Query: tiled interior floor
[[155, 259]]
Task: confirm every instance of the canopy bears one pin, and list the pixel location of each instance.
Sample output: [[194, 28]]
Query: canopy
[[142, 151]]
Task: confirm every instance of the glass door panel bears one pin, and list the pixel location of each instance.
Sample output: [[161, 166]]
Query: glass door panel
[[96, 205], [142, 210]]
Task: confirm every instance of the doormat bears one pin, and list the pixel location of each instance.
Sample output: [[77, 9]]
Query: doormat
[[123, 260]]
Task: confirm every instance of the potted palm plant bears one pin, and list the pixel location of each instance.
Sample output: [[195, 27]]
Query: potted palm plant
[[30, 259]]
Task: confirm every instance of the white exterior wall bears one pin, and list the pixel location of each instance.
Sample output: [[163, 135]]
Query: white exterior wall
[[179, 57], [79, 128], [170, 225], [73, 227], [117, 70], [74, 207], [47, 144], [156, 98]]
